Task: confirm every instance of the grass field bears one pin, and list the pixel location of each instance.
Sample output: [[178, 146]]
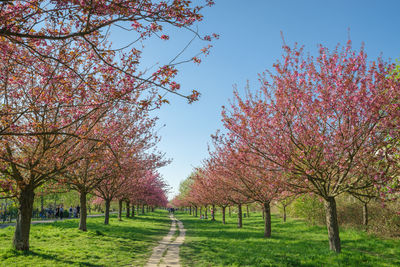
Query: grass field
[[124, 243], [293, 243]]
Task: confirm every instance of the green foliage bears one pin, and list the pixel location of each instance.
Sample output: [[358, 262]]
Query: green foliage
[[293, 243], [311, 208], [396, 72], [51, 200], [65, 214], [384, 219], [122, 243], [184, 186]]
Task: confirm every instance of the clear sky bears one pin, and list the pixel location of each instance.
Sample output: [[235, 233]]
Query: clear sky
[[250, 42]]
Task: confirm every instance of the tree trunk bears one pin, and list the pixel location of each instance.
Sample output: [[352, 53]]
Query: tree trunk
[[83, 211], [128, 208], [137, 209], [263, 213], [223, 215], [205, 213], [23, 226], [213, 213], [152, 209], [120, 210], [41, 203], [229, 211], [284, 213], [133, 211], [196, 212], [240, 224], [247, 208], [190, 210], [365, 214], [267, 221], [332, 224], [107, 214], [143, 209]]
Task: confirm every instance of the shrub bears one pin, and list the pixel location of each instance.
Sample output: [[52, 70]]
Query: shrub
[[384, 218], [66, 214], [308, 207]]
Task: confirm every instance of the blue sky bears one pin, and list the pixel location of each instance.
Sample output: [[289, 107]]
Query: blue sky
[[250, 42]]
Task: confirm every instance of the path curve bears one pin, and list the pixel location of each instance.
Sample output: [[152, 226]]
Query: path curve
[[166, 254]]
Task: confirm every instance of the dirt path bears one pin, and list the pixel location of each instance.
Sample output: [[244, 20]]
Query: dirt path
[[166, 254]]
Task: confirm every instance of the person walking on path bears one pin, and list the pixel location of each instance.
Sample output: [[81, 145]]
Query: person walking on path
[[61, 212]]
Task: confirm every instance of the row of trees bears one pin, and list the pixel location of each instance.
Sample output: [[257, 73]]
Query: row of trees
[[75, 109], [324, 125]]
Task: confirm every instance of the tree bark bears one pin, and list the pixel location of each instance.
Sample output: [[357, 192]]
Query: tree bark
[[223, 215], [365, 214], [213, 213], [190, 210], [120, 210], [83, 211], [133, 211], [332, 224], [107, 214], [128, 208], [267, 221], [143, 209], [240, 224], [23, 226], [196, 211], [229, 211], [284, 213], [137, 209], [248, 213], [205, 213]]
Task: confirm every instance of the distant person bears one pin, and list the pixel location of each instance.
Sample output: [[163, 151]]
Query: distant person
[[70, 211], [61, 212], [57, 212], [78, 211], [41, 214]]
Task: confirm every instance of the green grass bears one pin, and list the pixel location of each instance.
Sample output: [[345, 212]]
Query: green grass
[[128, 242], [176, 234], [293, 243]]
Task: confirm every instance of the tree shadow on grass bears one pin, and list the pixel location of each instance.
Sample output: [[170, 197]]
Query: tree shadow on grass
[[15, 253], [97, 228], [293, 243]]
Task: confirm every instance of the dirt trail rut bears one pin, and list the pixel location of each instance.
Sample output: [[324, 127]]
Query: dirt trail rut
[[166, 254]]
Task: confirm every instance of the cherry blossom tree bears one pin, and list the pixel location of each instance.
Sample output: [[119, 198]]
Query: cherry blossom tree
[[39, 27], [60, 75], [317, 118], [249, 174]]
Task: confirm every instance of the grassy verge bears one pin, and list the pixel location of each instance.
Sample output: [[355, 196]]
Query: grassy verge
[[62, 244], [294, 243]]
